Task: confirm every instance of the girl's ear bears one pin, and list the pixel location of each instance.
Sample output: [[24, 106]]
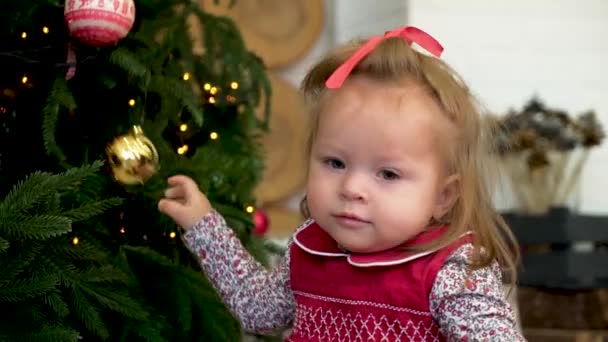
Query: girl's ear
[[447, 196]]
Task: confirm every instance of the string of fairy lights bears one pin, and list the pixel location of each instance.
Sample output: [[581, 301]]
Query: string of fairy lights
[[24, 35], [212, 91]]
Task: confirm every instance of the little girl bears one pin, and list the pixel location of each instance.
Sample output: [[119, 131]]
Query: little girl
[[401, 240]]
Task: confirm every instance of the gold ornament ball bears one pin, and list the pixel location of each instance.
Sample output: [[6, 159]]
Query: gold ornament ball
[[133, 157]]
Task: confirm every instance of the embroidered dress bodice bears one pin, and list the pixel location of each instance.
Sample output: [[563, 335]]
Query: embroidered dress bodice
[[382, 296]]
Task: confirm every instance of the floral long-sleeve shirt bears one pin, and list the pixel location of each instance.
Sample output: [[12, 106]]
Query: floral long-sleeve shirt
[[263, 300]]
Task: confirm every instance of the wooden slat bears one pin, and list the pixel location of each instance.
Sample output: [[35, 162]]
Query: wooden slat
[[558, 228], [565, 270]]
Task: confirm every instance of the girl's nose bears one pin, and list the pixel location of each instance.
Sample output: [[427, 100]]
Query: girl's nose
[[352, 188]]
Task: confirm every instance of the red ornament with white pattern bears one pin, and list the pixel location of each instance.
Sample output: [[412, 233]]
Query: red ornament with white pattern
[[99, 23]]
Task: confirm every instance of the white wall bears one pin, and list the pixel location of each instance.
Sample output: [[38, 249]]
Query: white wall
[[346, 20], [509, 50], [362, 18]]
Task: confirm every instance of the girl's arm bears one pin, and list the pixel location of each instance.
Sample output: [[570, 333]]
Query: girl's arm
[[260, 299], [471, 305]]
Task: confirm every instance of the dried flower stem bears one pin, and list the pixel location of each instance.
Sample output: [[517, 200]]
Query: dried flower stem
[[574, 178]]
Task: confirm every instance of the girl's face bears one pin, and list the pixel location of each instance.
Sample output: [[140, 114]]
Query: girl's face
[[376, 176]]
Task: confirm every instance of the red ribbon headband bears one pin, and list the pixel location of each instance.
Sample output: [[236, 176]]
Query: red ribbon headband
[[409, 33]]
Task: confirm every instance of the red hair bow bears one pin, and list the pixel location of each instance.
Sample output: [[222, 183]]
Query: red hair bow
[[409, 33]]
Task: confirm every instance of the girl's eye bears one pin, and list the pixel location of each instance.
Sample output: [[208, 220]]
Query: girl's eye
[[389, 175], [334, 163]]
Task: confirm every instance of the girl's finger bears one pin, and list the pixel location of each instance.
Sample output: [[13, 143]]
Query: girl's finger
[[187, 185], [175, 192]]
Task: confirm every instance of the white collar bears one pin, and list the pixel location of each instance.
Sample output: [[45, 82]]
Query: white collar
[[311, 238]]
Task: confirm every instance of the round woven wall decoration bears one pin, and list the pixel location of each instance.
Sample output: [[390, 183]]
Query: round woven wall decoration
[[279, 31], [284, 145]]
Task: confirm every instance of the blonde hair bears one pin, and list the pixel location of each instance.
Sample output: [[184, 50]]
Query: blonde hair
[[469, 156]]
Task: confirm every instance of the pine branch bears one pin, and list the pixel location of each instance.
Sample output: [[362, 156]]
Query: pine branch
[[54, 334], [64, 269], [91, 209], [232, 213], [196, 296], [51, 204], [23, 195], [122, 262], [180, 91], [73, 177], [219, 322], [150, 254], [4, 245], [26, 193], [49, 126], [183, 301], [161, 261], [129, 62], [196, 281], [150, 330], [107, 80], [39, 227], [19, 290], [93, 186], [117, 302], [105, 273], [36, 314], [87, 249], [274, 248], [87, 314], [14, 265], [55, 301], [60, 97]]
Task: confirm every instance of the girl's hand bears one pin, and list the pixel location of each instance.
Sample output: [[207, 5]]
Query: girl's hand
[[184, 202]]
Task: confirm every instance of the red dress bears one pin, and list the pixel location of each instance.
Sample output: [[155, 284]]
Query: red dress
[[364, 297]]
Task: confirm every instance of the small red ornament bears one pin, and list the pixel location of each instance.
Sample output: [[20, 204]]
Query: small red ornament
[[99, 23], [261, 222]]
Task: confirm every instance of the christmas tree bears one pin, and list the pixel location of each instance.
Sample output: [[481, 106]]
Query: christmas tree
[[83, 255]]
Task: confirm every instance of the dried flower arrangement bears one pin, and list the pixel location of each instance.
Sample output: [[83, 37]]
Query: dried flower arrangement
[[543, 152]]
